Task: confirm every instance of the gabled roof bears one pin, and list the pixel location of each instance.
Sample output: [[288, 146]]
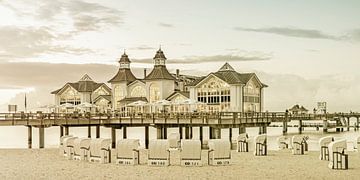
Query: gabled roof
[[107, 97], [183, 93], [85, 84], [123, 75], [159, 72]]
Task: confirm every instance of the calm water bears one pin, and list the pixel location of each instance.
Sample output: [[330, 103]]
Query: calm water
[[16, 137]]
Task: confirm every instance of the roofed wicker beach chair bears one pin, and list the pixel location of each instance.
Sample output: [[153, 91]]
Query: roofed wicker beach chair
[[61, 147], [324, 147], [100, 150], [174, 140], [219, 152], [127, 152], [68, 145], [260, 145], [190, 152], [158, 154], [282, 142], [81, 149], [357, 144], [299, 144], [242, 143], [337, 155]]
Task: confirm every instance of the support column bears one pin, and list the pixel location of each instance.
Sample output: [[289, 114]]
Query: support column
[[325, 126], [124, 132], [61, 131], [242, 130], [285, 123], [187, 132], [348, 123], [201, 135], [261, 130], [191, 132], [98, 131], [230, 136], [66, 130], [159, 133], [164, 131], [89, 131], [29, 137], [113, 137], [181, 132], [211, 133], [146, 137], [300, 127], [41, 137], [357, 123], [217, 133]]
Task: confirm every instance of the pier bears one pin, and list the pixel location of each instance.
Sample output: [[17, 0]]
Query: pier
[[161, 121]]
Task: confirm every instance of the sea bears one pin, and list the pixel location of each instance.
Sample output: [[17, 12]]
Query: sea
[[17, 136]]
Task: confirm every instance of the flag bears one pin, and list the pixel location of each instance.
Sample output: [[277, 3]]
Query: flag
[[25, 103]]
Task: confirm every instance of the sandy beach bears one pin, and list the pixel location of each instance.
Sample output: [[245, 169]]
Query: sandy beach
[[47, 164]]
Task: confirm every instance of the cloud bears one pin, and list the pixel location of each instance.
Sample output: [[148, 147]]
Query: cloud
[[292, 32], [143, 47], [240, 56], [167, 25], [22, 42]]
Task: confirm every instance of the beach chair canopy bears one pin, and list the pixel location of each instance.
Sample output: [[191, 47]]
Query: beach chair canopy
[[96, 145], [325, 141], [174, 139], [242, 137], [158, 149], [260, 138], [125, 147], [80, 143], [220, 147], [190, 149]]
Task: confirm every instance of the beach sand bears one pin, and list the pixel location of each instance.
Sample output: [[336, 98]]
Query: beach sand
[[47, 164]]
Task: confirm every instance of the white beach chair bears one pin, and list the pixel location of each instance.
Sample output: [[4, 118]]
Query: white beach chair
[[127, 152], [219, 152], [100, 150], [356, 144], [282, 142], [324, 147], [337, 155], [260, 145], [242, 143], [158, 154], [190, 152], [81, 149], [298, 144], [61, 147], [174, 140], [68, 145]]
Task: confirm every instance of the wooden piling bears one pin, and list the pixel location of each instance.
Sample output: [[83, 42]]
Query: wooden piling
[[66, 130], [89, 131], [29, 137], [164, 131], [242, 130], [187, 132], [158, 133], [191, 132], [181, 132], [325, 126], [146, 137], [300, 127], [124, 132], [41, 137], [113, 137], [217, 132], [348, 123], [357, 123], [201, 135], [285, 123], [211, 133], [61, 131], [98, 131], [230, 137]]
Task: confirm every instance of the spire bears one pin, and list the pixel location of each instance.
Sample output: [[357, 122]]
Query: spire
[[159, 57], [124, 61], [226, 67]]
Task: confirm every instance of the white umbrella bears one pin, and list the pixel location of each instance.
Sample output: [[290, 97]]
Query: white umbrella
[[137, 103], [163, 102], [86, 105], [66, 105]]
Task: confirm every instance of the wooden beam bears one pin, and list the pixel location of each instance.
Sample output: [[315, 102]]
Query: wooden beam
[[41, 137], [98, 131], [61, 131], [146, 137], [113, 137], [89, 131], [29, 137], [124, 132]]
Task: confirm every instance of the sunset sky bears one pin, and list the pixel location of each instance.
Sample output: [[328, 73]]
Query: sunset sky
[[305, 51]]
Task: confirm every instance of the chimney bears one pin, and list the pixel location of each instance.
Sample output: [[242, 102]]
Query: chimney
[[177, 73], [144, 73]]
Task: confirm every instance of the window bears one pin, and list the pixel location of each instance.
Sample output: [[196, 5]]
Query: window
[[154, 93], [138, 91], [216, 93], [70, 95]]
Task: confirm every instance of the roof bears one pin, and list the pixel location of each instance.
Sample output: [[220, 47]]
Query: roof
[[123, 75], [107, 97], [159, 72], [124, 58], [85, 84], [229, 75], [184, 93], [132, 99], [159, 54]]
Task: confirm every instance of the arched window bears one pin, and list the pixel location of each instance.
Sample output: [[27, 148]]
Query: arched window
[[138, 91], [154, 93]]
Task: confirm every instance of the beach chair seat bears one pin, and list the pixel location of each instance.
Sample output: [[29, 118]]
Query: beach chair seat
[[324, 147], [337, 155], [219, 152], [174, 140], [190, 152], [158, 154], [100, 150], [61, 147], [282, 142], [81, 149], [260, 145], [127, 152], [242, 143], [298, 144]]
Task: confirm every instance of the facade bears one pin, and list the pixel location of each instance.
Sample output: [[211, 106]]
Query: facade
[[78, 95]]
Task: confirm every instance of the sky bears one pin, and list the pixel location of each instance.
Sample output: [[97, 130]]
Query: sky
[[306, 51]]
